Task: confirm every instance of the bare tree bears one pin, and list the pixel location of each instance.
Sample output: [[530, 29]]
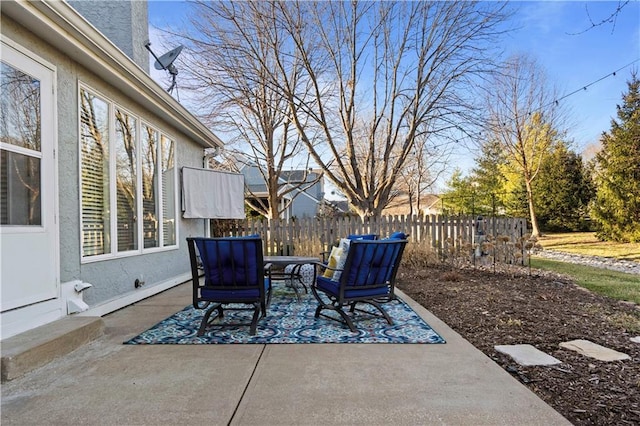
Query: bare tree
[[358, 81], [377, 76], [232, 52], [612, 19], [424, 166], [524, 118]]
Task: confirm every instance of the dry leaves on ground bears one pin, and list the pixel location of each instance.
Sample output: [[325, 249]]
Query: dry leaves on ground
[[542, 309]]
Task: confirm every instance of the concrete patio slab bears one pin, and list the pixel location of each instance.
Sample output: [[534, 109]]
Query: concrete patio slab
[[593, 350], [383, 384], [133, 385], [527, 355], [108, 383], [453, 383]]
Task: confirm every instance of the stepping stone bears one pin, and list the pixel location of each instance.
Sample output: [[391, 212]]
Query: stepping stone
[[635, 339], [593, 350], [527, 355]]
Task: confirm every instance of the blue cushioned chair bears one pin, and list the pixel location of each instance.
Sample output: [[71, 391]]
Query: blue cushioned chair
[[397, 236], [351, 237], [234, 273], [362, 237], [368, 276]]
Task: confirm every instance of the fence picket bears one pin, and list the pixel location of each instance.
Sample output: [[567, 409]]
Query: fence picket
[[315, 235]]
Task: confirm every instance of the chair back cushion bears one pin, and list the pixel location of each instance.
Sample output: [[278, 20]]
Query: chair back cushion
[[362, 237], [397, 236], [231, 262], [373, 262]]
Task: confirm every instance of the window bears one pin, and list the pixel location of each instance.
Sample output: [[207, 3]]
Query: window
[[126, 181], [125, 177], [168, 191], [150, 187], [94, 143], [20, 152]]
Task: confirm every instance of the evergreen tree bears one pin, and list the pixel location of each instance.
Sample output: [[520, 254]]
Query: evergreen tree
[[617, 173], [563, 191], [459, 197], [488, 178]]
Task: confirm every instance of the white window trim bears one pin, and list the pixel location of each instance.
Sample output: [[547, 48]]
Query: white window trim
[[140, 122]]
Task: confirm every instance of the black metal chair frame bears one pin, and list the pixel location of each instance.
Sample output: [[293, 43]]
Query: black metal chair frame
[[339, 302], [258, 305]]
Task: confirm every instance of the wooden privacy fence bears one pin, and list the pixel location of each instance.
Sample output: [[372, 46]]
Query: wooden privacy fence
[[314, 235]]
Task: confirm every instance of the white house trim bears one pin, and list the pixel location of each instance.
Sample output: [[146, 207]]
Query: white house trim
[[59, 24], [131, 298]]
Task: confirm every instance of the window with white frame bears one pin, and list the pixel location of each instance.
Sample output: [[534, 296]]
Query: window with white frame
[[20, 148], [128, 174]]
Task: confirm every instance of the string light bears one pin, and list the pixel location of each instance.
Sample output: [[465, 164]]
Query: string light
[[584, 88]]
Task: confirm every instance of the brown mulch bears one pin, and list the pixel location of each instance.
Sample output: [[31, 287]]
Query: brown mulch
[[542, 309]]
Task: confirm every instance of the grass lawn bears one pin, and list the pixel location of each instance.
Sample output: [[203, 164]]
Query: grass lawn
[[587, 243], [617, 285]]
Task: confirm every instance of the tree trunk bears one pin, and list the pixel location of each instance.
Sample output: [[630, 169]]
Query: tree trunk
[[535, 231]]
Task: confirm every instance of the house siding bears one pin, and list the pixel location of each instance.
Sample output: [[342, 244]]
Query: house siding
[[253, 178], [305, 206], [111, 278], [125, 23]]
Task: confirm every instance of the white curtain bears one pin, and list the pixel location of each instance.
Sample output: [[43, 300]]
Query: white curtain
[[211, 194]]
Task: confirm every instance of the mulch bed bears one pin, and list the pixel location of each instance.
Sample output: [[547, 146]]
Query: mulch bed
[[513, 306]]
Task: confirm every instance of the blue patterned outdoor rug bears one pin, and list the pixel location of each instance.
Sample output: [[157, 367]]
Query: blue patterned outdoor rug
[[290, 321]]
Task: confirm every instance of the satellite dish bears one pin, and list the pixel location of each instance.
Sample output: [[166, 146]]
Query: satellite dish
[[165, 62]]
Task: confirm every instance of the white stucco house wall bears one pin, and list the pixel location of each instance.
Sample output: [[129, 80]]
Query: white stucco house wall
[[92, 149]]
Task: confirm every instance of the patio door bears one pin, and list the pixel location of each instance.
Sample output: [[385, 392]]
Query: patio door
[[28, 232]]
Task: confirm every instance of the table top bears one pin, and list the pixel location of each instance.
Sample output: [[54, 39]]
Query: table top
[[289, 260]]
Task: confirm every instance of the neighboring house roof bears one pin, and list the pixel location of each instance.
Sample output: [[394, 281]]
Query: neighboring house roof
[[63, 27], [257, 185], [400, 204], [340, 205], [297, 176], [430, 201]]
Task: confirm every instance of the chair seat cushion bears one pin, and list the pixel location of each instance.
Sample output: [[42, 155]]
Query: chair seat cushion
[[236, 294], [333, 288]]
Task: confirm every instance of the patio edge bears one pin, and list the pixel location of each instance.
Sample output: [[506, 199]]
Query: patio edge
[[34, 348]]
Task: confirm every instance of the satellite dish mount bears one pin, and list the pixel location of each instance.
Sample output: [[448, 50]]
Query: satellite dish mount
[[165, 62]]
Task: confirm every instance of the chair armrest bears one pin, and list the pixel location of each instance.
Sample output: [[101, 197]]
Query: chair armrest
[[325, 255]]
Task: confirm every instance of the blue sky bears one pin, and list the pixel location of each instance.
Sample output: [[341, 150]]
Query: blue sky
[[554, 33]]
